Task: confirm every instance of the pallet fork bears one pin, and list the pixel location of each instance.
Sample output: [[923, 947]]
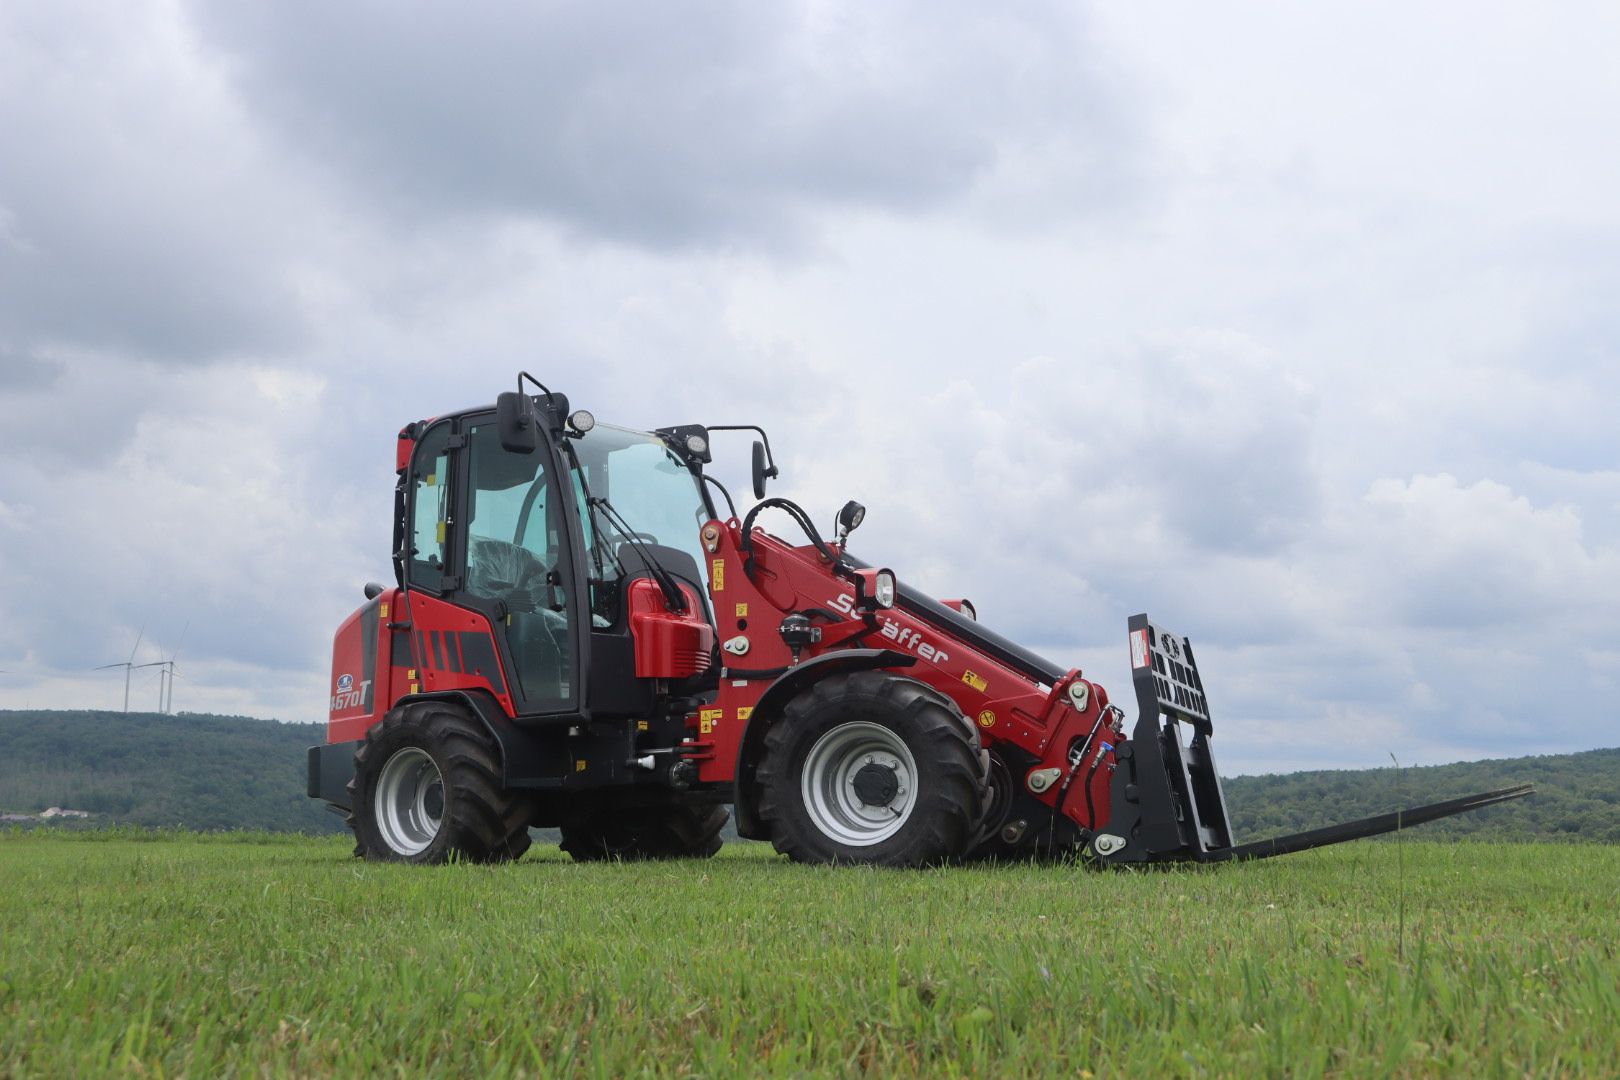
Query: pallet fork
[[1167, 802]]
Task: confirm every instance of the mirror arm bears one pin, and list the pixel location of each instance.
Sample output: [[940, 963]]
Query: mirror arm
[[771, 471], [525, 375]]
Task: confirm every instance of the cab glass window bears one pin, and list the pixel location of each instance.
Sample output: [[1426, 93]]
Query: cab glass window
[[517, 547], [430, 508]]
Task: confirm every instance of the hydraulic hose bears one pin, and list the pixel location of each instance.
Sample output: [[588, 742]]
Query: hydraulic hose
[[793, 510], [731, 506]]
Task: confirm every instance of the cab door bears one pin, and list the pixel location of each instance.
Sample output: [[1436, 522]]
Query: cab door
[[516, 560]]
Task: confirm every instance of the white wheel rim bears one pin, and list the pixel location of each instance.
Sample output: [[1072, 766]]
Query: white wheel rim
[[409, 801], [829, 789]]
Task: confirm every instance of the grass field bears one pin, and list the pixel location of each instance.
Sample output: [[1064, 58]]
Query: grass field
[[280, 956]]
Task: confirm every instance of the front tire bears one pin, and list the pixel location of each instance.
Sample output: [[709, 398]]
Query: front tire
[[427, 789], [872, 768]]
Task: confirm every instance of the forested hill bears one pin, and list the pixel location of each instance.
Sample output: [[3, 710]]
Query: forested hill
[[191, 770], [221, 772], [1577, 798]]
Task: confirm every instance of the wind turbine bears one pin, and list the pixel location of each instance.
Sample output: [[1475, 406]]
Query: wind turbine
[[168, 706], [127, 665], [163, 671], [166, 672]]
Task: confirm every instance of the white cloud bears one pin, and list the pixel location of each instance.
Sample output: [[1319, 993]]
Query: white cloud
[[1478, 556]]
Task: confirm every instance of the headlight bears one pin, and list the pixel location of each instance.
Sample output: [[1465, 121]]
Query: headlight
[[883, 588]]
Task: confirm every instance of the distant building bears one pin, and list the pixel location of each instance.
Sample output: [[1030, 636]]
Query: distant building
[[58, 812]]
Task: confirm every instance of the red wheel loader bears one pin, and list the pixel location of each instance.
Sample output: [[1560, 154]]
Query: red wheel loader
[[580, 637]]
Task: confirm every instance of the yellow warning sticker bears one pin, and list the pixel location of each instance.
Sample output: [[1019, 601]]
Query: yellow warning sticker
[[745, 712], [742, 611], [717, 575], [642, 725], [416, 688], [440, 534], [410, 673], [987, 719], [707, 718], [383, 611], [581, 765], [978, 682]]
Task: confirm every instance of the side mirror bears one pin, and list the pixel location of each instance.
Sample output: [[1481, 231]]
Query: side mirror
[[516, 422], [761, 473]]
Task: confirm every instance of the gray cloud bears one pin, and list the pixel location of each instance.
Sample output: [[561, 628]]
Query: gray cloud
[[21, 369], [671, 126], [136, 214]]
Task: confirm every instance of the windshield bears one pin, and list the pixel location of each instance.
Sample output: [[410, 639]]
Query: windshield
[[657, 495]]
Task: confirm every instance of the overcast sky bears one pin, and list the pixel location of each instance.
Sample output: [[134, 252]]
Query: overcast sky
[[1292, 325]]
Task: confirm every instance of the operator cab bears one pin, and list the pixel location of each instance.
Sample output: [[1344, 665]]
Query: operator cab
[[543, 534]]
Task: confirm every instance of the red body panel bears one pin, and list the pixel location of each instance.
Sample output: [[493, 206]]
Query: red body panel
[[1007, 706], [423, 645], [406, 447], [450, 648], [360, 670], [668, 645]]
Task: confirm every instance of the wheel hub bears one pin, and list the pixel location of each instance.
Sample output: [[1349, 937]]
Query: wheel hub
[[859, 783], [876, 785], [409, 803]]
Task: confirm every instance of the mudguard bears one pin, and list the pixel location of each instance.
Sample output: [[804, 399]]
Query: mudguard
[[524, 756]]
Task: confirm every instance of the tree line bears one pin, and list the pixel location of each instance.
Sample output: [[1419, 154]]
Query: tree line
[[209, 772]]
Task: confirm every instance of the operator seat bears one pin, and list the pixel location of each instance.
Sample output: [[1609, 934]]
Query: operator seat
[[537, 629], [502, 571]]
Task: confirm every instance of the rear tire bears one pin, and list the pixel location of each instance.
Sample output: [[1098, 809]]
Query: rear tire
[[635, 834], [427, 789], [873, 768]]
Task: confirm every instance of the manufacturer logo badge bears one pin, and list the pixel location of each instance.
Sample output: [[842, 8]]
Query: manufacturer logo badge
[[345, 683]]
